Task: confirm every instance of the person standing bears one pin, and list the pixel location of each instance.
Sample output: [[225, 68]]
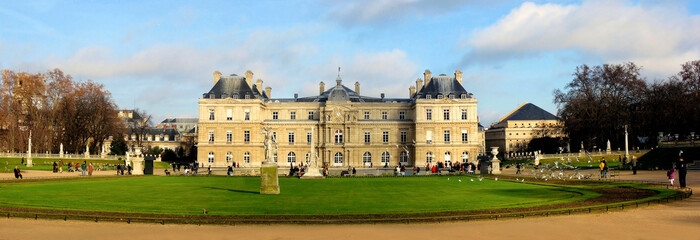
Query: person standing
[[603, 167], [90, 169], [230, 171], [682, 171], [671, 174], [83, 168], [634, 165]]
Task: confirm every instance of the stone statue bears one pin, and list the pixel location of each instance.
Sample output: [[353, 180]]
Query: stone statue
[[29, 150], [312, 170], [269, 182]]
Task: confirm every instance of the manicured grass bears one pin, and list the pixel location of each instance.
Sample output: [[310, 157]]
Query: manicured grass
[[581, 163], [188, 195], [46, 164]]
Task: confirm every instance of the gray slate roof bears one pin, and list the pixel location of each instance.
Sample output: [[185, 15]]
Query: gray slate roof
[[529, 111], [180, 120], [233, 86], [442, 85]]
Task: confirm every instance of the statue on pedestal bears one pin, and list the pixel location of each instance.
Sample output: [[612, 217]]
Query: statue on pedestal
[[312, 170], [269, 182]]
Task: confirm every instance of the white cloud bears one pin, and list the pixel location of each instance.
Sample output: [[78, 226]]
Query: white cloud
[[381, 11], [659, 37]]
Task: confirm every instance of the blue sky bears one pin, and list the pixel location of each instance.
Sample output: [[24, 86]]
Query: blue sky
[[160, 55]]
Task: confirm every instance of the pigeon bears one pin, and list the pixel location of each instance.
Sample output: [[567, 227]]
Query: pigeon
[[460, 179], [522, 180], [448, 179], [481, 179], [495, 179], [471, 180]]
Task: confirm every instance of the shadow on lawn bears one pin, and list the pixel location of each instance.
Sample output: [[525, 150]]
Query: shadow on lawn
[[233, 190]]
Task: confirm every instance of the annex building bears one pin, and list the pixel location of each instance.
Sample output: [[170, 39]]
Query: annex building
[[513, 132], [437, 121]]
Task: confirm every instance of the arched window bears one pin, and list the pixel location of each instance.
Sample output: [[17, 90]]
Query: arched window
[[367, 157], [308, 155], [403, 157], [429, 157], [228, 157], [246, 157], [385, 157], [447, 157], [339, 136], [291, 157], [465, 156], [211, 157], [338, 158]]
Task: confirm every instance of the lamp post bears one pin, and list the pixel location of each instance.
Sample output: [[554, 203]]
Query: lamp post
[[627, 153]]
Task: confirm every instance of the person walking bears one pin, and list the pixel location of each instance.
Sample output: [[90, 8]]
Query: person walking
[[671, 174], [603, 167], [18, 174], [230, 171], [90, 169], [83, 168], [682, 171]]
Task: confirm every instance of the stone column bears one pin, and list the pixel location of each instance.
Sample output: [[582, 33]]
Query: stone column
[[29, 151]]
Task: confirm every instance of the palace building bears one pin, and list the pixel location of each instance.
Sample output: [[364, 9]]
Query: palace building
[[513, 132], [437, 122]]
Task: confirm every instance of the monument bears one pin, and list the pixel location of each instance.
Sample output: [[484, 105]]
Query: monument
[[537, 158], [29, 151], [269, 183], [60, 154], [495, 163], [608, 150], [312, 170]]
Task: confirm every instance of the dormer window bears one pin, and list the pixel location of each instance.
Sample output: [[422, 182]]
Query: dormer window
[[464, 96], [235, 96], [428, 97], [439, 96], [452, 96], [247, 96]]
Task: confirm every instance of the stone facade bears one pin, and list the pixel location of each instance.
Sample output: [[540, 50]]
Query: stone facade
[[514, 131], [437, 122]]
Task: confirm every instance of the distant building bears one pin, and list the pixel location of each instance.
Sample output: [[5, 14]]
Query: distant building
[[513, 132], [436, 122], [180, 124]]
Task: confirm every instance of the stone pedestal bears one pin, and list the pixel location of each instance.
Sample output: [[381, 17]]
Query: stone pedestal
[[269, 183], [137, 165], [312, 173], [29, 162]]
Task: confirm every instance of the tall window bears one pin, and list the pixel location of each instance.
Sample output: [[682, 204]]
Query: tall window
[[446, 114], [465, 136], [447, 136], [308, 137], [404, 135], [448, 156], [308, 155], [229, 114], [211, 135], [428, 114], [311, 115], [228, 157], [367, 157], [246, 157], [246, 136], [464, 114], [385, 158], [465, 156], [366, 115], [211, 157], [291, 157], [402, 115], [293, 115], [211, 114], [338, 158], [247, 115], [385, 116], [385, 137], [429, 157], [338, 136], [229, 136], [291, 137], [367, 137], [403, 158], [274, 136], [429, 137], [275, 116]]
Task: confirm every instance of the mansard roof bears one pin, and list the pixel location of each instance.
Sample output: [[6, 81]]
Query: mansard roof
[[529, 111], [442, 85], [233, 86]]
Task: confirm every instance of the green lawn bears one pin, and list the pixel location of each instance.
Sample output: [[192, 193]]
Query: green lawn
[[183, 195], [46, 164], [581, 163]]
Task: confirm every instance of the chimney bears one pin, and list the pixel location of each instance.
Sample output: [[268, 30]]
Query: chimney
[[419, 84], [382, 94], [296, 95], [458, 76], [321, 88], [268, 91], [427, 76], [249, 78], [258, 86], [411, 91], [357, 88], [217, 77]]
